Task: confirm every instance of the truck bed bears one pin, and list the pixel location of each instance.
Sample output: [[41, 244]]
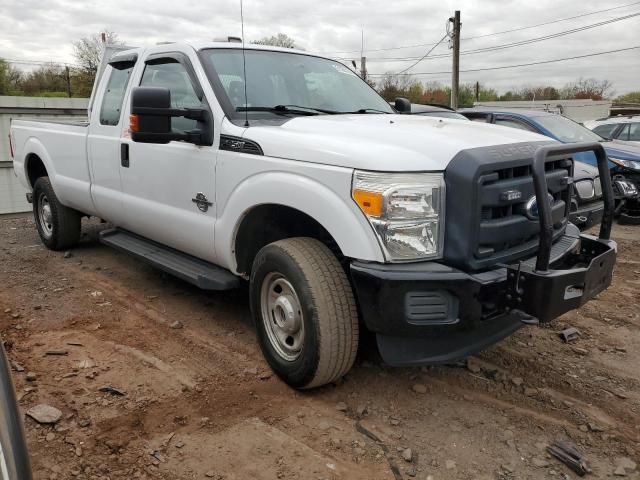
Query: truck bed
[[61, 145]]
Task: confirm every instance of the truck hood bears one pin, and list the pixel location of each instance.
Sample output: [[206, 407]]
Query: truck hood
[[381, 142], [583, 171]]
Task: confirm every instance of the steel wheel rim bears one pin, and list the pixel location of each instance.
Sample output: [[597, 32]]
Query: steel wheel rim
[[45, 216], [282, 316]]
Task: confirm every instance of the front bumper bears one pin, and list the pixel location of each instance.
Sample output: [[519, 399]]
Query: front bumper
[[587, 215], [428, 313]]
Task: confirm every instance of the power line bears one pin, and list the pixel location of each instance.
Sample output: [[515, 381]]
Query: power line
[[490, 34], [551, 22], [39, 62], [517, 65], [425, 55], [512, 44]]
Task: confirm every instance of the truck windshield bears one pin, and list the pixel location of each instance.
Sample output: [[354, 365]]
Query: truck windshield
[[566, 130], [281, 83]]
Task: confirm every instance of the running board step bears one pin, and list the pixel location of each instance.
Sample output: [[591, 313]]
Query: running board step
[[202, 274]]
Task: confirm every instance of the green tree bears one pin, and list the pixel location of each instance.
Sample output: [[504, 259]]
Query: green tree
[[9, 79], [631, 97], [280, 40], [47, 80]]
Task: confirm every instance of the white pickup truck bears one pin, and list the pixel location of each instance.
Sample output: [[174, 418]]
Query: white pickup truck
[[221, 164]]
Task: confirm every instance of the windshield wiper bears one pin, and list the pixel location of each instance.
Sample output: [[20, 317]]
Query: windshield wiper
[[368, 110], [296, 109]]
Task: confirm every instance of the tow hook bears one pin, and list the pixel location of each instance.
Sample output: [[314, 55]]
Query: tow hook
[[526, 318], [581, 219]]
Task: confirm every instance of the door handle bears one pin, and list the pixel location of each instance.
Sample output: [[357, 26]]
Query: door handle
[[124, 155]]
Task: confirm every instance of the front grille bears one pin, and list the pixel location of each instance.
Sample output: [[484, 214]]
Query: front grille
[[505, 224], [491, 218]]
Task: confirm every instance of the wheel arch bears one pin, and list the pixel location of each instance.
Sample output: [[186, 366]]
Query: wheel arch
[[37, 162], [288, 198]]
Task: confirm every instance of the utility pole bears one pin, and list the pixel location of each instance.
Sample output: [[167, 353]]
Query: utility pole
[[68, 81], [455, 78], [477, 91]]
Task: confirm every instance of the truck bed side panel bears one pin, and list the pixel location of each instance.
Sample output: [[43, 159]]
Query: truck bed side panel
[[62, 147]]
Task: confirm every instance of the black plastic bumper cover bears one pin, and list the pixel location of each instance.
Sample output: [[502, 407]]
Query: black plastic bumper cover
[[488, 306]]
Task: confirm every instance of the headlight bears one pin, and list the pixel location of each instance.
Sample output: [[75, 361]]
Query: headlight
[[405, 210], [626, 163], [585, 189], [597, 187]]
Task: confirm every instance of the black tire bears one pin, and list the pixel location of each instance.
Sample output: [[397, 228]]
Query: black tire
[[59, 229], [13, 448], [327, 312]]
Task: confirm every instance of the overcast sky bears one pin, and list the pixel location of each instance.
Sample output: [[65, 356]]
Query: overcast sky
[[45, 30]]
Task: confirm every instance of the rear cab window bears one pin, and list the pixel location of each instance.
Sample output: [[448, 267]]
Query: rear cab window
[[113, 97]]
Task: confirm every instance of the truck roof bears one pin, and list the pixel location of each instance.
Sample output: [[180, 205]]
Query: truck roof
[[206, 45]]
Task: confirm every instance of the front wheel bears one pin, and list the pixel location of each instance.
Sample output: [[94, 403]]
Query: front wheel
[[305, 312], [58, 226]]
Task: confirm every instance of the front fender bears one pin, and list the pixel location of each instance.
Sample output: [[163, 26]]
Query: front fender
[[340, 216]]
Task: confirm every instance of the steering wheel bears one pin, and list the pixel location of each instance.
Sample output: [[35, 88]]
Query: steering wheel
[[14, 458]]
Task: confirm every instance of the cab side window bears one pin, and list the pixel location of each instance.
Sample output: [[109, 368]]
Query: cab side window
[[606, 131], [174, 76], [114, 96], [631, 133]]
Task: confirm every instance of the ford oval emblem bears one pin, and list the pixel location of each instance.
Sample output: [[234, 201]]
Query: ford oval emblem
[[531, 208]]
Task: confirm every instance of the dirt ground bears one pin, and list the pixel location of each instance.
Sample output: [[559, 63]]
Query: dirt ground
[[192, 397]]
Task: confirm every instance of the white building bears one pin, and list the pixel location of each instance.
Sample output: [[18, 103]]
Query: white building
[[578, 110]]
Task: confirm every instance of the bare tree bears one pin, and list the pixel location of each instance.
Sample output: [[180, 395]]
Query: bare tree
[[280, 40], [88, 53], [588, 88], [88, 50]]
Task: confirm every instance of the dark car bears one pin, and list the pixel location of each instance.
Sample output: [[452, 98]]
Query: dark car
[[624, 158]]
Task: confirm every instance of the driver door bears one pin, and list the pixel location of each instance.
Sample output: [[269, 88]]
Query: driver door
[[161, 182]]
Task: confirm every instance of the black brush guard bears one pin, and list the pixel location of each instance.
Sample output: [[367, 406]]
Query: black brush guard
[[545, 291]]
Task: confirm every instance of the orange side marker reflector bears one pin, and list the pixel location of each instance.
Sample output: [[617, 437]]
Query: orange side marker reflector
[[369, 202], [134, 124]]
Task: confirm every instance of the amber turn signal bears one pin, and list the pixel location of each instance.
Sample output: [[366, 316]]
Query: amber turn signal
[[369, 202]]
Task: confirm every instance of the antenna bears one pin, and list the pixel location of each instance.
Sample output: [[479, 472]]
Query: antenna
[[244, 68]]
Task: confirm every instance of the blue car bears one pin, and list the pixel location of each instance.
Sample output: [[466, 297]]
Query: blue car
[[624, 157]]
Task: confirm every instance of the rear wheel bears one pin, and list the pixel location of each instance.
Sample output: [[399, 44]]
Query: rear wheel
[[58, 226], [305, 312]]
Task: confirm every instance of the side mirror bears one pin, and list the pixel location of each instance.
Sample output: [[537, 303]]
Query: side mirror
[[402, 105], [151, 114]]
